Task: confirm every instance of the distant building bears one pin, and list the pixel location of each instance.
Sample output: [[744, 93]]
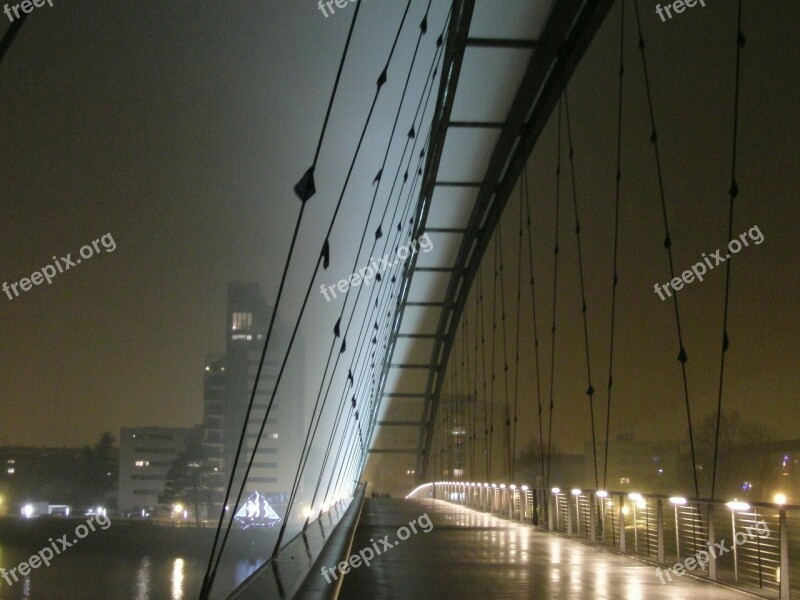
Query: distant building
[[30, 473], [227, 386], [145, 457], [652, 466]]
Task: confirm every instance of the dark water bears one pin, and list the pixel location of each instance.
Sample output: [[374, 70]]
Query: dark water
[[117, 572]]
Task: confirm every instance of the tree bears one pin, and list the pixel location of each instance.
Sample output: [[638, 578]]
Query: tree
[[188, 477], [99, 470], [734, 433]]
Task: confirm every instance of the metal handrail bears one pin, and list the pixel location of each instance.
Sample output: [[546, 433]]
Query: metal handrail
[[742, 545]]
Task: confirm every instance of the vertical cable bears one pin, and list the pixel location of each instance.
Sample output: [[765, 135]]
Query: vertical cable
[[499, 244], [516, 342], [555, 295], [590, 389], [532, 283], [615, 279], [732, 194], [683, 357]]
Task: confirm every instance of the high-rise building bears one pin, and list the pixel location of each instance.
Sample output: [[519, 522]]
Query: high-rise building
[[228, 385]]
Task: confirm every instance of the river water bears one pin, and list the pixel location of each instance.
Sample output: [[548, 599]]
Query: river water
[[117, 574]]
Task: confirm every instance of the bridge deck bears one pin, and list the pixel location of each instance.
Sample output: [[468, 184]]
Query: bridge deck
[[469, 554]]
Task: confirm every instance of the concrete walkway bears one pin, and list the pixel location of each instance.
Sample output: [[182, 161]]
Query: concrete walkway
[[469, 554]]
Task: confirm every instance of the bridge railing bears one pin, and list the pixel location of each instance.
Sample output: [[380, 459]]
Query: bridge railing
[[744, 545]]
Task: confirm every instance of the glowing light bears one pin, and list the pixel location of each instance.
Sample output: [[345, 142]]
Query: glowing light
[[524, 488], [512, 486], [556, 490], [576, 492], [735, 505], [678, 500], [779, 498], [177, 509], [625, 510], [307, 512], [27, 510], [635, 496], [177, 579], [418, 488], [502, 486], [602, 494]]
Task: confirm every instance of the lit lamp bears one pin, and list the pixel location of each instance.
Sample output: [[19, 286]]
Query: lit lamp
[[736, 506], [677, 501], [638, 501], [577, 492]]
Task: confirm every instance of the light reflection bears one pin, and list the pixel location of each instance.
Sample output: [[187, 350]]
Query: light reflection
[[143, 584], [177, 579]]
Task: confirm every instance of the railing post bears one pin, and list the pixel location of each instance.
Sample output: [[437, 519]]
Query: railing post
[[660, 530], [785, 589], [524, 504], [549, 498], [569, 515], [593, 517], [621, 523], [712, 538]]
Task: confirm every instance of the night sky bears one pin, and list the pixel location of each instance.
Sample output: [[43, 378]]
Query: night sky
[[181, 127]]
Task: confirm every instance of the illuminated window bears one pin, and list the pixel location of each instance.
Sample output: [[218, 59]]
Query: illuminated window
[[458, 472], [242, 321], [624, 480], [142, 463], [10, 470], [274, 436]]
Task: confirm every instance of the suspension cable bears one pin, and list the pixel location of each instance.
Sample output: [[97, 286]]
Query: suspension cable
[[305, 189], [590, 389], [615, 278], [682, 355], [732, 194], [324, 260], [555, 294], [516, 342], [532, 283]]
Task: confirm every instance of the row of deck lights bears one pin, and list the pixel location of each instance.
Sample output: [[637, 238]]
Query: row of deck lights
[[734, 505]]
